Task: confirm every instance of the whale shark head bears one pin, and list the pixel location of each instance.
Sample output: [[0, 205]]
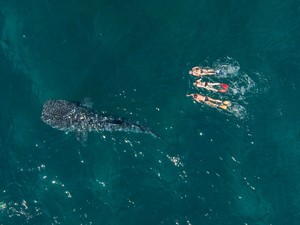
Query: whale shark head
[[55, 113]]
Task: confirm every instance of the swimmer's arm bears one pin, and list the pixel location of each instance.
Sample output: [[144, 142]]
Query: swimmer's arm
[[192, 95], [211, 89]]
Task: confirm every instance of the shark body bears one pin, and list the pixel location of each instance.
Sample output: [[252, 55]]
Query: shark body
[[80, 118]]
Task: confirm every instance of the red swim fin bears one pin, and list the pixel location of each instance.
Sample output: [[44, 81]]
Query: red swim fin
[[222, 90], [225, 86]]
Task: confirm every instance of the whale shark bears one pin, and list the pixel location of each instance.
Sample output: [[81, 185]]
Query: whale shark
[[79, 117]]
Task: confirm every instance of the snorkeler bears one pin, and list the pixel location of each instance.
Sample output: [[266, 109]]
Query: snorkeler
[[206, 85], [215, 103], [199, 71], [209, 86]]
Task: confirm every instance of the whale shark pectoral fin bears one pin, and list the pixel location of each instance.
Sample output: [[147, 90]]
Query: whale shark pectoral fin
[[81, 136], [87, 102]]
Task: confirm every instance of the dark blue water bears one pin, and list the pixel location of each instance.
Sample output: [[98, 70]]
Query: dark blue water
[[132, 59]]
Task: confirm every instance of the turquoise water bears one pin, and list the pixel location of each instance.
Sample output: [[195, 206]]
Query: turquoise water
[[132, 59]]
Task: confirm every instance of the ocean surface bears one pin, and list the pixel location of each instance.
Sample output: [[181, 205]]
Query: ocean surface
[[234, 167]]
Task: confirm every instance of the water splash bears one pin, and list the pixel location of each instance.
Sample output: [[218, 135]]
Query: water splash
[[227, 66]]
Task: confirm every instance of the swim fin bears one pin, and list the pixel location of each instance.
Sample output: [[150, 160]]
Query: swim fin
[[226, 102], [225, 105], [224, 88]]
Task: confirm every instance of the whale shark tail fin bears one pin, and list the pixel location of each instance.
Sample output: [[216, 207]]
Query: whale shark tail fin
[[159, 137], [149, 131]]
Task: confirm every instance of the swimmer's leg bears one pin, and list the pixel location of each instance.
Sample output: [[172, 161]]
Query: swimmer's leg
[[214, 84], [211, 89], [214, 105]]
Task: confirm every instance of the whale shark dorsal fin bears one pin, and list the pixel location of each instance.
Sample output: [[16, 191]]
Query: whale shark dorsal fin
[[87, 102]]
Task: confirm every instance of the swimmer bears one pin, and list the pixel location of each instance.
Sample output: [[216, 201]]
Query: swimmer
[[199, 71], [206, 85], [207, 100]]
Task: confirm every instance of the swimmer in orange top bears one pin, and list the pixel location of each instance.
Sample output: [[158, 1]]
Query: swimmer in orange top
[[199, 71], [206, 85]]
